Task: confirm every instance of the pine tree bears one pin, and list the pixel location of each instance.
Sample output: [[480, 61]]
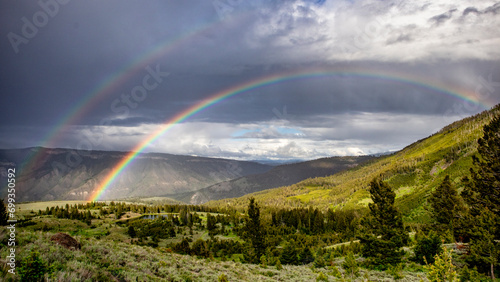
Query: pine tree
[[131, 232], [384, 233], [483, 248], [88, 217], [290, 254], [254, 229], [483, 190], [306, 256], [427, 247], [4, 215], [211, 224], [318, 222], [350, 265], [482, 194], [445, 203], [119, 211]]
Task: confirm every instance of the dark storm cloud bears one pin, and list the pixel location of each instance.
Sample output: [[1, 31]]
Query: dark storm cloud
[[399, 38], [439, 19], [85, 44], [494, 9], [469, 10]]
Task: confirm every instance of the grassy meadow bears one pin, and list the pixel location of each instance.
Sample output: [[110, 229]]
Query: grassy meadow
[[108, 254]]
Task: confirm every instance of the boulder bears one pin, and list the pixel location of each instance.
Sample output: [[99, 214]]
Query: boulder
[[66, 241]]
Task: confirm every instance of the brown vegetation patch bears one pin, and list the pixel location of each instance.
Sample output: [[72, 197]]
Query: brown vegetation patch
[[66, 241], [441, 165]]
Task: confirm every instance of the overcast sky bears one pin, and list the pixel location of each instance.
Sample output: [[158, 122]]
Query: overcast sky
[[161, 57]]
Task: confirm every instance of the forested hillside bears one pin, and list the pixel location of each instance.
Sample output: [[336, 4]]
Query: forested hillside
[[413, 172], [276, 177]]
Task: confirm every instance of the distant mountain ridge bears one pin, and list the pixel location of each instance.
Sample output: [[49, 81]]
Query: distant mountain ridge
[[150, 174], [279, 176]]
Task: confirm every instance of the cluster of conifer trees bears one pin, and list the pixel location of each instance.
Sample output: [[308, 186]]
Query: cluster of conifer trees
[[70, 212], [472, 217]]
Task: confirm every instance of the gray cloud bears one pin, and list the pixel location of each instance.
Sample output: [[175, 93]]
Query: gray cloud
[[88, 45], [399, 38], [469, 10], [494, 9], [439, 19]]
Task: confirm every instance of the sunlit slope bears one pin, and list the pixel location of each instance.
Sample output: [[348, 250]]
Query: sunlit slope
[[413, 172]]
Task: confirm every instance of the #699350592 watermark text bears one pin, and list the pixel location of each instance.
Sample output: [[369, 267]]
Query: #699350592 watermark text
[[11, 219]]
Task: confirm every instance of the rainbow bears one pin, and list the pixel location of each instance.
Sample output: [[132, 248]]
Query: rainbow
[[461, 94], [113, 82]]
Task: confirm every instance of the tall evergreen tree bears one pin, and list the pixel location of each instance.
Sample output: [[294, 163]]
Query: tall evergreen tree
[[445, 203], [290, 254], [88, 217], [483, 189], [484, 249], [211, 224], [384, 233], [131, 232], [482, 194], [4, 215], [253, 228]]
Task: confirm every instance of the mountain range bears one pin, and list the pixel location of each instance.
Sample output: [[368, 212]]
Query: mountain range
[[55, 175], [282, 175]]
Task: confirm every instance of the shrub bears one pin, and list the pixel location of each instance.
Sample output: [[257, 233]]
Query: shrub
[[319, 262], [336, 272], [321, 277], [442, 269], [269, 273], [32, 268], [468, 274], [131, 232], [263, 261], [396, 271], [222, 278], [350, 265], [427, 247], [278, 265]]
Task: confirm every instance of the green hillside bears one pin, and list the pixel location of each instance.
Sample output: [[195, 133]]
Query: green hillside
[[413, 172]]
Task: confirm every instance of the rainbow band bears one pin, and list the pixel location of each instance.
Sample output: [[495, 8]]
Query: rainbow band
[[113, 82], [110, 177]]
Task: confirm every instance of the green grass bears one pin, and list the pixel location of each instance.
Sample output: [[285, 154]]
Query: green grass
[[112, 257], [310, 197]]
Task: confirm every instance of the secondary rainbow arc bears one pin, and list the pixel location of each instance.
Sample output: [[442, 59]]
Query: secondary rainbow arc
[[112, 82], [462, 94]]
